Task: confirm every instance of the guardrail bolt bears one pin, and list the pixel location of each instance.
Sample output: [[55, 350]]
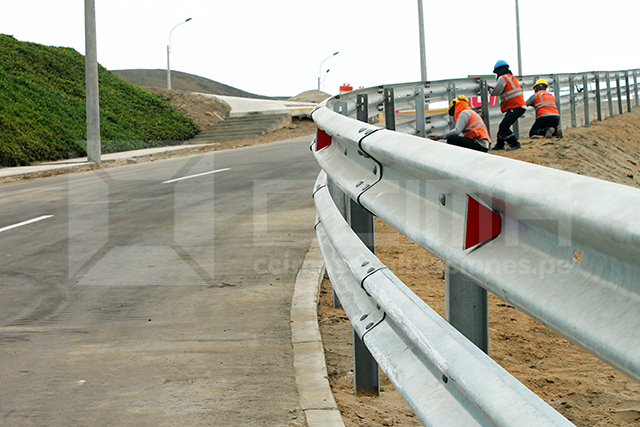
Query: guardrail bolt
[[445, 378], [364, 316], [359, 183], [443, 199], [364, 263], [370, 325], [371, 270]]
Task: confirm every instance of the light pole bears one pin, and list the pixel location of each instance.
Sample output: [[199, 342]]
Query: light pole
[[91, 84], [423, 55], [325, 76], [518, 31], [169, 52], [320, 68]]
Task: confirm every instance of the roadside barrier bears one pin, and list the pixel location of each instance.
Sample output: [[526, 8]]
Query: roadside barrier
[[561, 247]]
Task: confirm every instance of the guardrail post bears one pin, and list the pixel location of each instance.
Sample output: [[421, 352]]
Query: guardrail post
[[421, 124], [484, 98], [598, 98], [451, 91], [628, 87], [467, 307], [362, 107], [619, 93], [572, 101], [556, 92], [389, 109], [609, 95], [635, 87], [585, 97]]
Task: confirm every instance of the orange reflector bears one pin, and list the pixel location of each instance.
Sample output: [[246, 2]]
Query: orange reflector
[[483, 224], [323, 140]]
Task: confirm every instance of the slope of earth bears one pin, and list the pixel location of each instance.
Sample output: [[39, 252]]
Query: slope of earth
[[581, 387], [182, 81]]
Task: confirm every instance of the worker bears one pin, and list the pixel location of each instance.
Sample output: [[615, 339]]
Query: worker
[[468, 123], [511, 103], [547, 121]]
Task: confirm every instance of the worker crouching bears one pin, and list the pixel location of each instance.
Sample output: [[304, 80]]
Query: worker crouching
[[547, 122], [468, 123]]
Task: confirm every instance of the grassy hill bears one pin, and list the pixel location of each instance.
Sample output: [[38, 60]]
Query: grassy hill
[[42, 107], [157, 79]]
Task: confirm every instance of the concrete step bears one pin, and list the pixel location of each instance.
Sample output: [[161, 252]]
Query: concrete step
[[241, 127]]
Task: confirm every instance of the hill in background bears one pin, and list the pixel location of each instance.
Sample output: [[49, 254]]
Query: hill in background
[[43, 112], [157, 79]]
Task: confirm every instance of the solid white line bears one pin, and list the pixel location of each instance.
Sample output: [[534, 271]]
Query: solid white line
[[20, 224], [195, 176]]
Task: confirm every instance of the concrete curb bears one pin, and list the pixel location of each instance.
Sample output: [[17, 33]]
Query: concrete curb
[[316, 399]]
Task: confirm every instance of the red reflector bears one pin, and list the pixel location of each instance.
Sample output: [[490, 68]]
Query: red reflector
[[323, 140], [483, 224]]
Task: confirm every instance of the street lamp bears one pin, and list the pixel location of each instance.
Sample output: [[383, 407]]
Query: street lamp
[[518, 31], [169, 51], [320, 68], [325, 76]]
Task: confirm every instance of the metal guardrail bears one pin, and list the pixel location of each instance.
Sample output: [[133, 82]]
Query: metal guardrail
[[607, 94], [561, 247]]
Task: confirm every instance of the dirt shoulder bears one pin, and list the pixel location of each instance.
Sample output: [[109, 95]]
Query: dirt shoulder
[[581, 387]]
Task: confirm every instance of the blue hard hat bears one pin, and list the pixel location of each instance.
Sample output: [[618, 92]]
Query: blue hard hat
[[500, 63]]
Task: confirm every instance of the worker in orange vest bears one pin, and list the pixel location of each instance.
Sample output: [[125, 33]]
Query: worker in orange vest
[[511, 102], [547, 117], [468, 123]]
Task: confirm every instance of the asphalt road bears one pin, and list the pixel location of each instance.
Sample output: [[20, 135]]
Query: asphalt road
[[139, 300]]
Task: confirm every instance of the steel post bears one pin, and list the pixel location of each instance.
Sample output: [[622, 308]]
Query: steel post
[[609, 95], [366, 377], [598, 98], [628, 90], [467, 307], [423, 53], [362, 107], [556, 92], [451, 90], [572, 101], [91, 83], [585, 97], [635, 87], [389, 109], [421, 124], [619, 93], [484, 98]]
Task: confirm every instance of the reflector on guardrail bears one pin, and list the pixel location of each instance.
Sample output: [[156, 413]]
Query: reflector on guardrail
[[482, 225], [323, 140]]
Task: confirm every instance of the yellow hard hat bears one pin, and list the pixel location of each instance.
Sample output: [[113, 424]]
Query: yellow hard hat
[[460, 98], [541, 82]]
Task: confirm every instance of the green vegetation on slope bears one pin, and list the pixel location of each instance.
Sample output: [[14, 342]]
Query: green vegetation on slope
[[43, 113]]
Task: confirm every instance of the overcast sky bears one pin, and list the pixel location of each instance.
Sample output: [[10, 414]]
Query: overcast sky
[[275, 47]]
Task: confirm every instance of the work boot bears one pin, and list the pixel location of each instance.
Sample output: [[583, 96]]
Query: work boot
[[559, 133], [515, 146], [499, 146], [549, 133]]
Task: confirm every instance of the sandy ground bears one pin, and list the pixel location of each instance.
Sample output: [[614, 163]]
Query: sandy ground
[[585, 390]]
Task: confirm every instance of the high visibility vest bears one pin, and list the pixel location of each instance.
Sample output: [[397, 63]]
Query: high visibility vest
[[476, 129], [545, 104], [511, 97]]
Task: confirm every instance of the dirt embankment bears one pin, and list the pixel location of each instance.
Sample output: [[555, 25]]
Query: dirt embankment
[[585, 390]]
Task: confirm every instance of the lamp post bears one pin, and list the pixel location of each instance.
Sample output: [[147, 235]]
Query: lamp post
[[325, 76], [423, 55], [518, 31], [169, 52], [320, 68], [91, 84]]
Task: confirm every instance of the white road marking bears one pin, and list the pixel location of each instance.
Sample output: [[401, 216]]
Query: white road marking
[[20, 224], [195, 176]]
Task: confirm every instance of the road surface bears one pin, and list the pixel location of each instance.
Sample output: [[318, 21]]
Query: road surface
[[155, 294]]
